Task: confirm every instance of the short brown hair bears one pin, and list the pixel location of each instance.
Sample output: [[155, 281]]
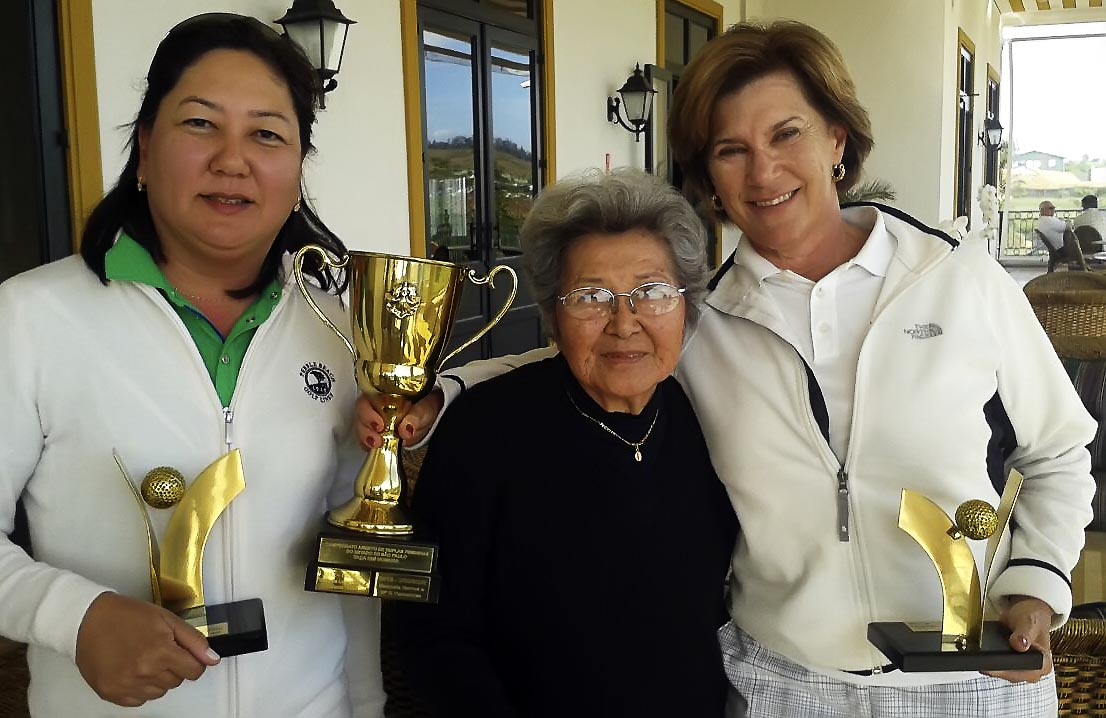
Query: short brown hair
[[747, 52]]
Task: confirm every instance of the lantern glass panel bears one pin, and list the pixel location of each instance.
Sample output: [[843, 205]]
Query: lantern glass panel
[[636, 105], [324, 49]]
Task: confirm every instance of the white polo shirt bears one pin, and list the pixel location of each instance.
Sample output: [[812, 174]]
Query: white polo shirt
[[827, 320]]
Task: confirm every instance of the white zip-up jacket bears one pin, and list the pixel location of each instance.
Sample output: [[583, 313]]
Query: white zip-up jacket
[[956, 383], [89, 368]]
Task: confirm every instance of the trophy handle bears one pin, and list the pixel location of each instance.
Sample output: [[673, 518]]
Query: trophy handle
[[325, 258], [470, 274]]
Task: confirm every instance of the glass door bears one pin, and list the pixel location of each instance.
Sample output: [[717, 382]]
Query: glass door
[[480, 110]]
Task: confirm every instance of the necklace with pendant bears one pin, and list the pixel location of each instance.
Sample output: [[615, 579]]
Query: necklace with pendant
[[635, 445]]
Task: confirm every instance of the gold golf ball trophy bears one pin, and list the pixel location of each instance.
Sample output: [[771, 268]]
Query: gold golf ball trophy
[[176, 558], [962, 640]]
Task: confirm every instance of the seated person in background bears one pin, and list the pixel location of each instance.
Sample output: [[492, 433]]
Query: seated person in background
[[584, 555], [1051, 227], [1091, 216]]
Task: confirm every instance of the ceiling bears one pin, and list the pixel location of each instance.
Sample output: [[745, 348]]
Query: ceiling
[[1033, 6]]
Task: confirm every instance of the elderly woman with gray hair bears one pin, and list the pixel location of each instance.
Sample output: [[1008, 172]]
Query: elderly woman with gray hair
[[589, 582]]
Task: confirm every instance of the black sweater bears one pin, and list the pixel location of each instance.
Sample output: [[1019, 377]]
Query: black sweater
[[576, 581]]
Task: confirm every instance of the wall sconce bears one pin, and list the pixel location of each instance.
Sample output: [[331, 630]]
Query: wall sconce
[[637, 99], [991, 136], [320, 29]]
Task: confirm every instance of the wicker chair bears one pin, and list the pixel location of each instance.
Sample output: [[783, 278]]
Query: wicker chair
[[1079, 658], [1071, 307]]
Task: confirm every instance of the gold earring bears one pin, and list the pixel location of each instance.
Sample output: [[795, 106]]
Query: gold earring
[[141, 185], [838, 173], [296, 206]]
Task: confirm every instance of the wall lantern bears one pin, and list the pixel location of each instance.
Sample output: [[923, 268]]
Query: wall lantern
[[320, 29], [637, 100], [991, 136]]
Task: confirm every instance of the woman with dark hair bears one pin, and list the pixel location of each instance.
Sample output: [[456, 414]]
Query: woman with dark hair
[[173, 342]]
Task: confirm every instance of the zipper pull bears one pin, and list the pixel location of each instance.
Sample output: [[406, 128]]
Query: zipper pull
[[228, 419], [842, 505]]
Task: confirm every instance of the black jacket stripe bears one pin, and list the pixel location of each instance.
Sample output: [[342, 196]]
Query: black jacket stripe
[[817, 402], [1002, 443], [1039, 564], [899, 214], [721, 271], [460, 382]]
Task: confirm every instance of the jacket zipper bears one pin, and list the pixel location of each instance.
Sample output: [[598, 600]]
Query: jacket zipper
[[228, 420], [842, 505]]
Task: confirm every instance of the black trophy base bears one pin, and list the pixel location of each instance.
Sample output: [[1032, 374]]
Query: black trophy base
[[389, 568], [232, 629], [912, 650]]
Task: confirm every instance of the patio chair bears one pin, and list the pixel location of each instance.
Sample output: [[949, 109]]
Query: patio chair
[[1079, 659], [1073, 253], [1090, 241], [1071, 306], [1055, 256], [1079, 646]]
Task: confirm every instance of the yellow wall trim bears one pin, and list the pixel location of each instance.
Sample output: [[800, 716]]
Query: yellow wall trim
[[548, 105], [963, 42], [412, 108], [706, 7], [82, 115]]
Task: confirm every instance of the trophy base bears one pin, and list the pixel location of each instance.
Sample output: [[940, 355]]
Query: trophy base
[[379, 518], [352, 563], [912, 650], [232, 629]]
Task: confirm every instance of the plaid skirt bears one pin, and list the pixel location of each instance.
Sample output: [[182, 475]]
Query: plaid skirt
[[764, 684]]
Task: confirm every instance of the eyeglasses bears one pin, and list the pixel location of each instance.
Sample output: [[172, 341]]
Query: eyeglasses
[[651, 299]]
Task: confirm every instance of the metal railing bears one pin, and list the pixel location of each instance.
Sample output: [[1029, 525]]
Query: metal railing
[[1018, 239]]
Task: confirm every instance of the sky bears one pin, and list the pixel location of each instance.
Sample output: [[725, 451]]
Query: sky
[[449, 95], [1058, 94]]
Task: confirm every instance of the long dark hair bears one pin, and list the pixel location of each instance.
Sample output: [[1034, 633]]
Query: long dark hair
[[125, 207]]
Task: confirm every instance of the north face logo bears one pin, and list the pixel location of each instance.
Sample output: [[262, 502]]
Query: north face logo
[[924, 331]]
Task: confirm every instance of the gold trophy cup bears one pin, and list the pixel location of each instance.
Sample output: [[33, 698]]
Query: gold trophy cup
[[962, 641], [176, 560], [401, 314]]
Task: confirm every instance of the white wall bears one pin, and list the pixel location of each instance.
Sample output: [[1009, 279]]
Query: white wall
[[357, 180]]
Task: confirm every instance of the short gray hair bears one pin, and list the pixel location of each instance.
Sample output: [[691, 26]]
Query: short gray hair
[[599, 203]]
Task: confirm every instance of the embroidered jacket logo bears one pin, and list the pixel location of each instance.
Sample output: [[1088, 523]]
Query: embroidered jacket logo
[[924, 331], [318, 381]]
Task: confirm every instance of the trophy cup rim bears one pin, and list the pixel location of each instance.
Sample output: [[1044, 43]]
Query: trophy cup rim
[[402, 258]]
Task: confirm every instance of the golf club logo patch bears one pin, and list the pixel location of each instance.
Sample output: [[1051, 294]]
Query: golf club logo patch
[[318, 381]]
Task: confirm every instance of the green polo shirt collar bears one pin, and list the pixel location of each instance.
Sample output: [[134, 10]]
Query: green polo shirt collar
[[128, 261]]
